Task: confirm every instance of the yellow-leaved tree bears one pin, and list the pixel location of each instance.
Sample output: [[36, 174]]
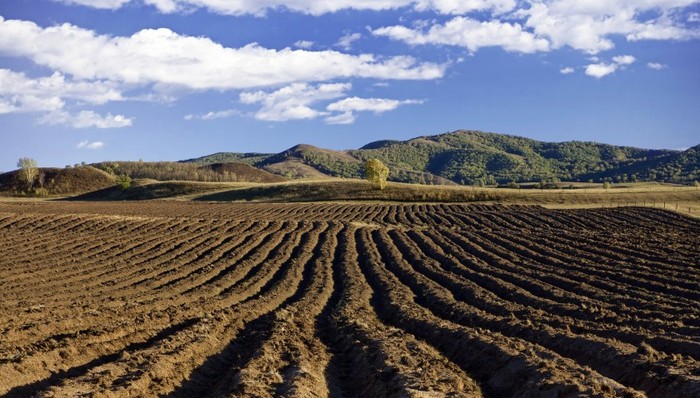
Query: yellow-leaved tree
[[28, 170], [376, 172]]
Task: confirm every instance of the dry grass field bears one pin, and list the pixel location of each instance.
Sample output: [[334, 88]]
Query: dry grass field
[[186, 299]]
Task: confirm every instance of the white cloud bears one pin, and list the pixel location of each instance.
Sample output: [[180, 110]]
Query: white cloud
[[19, 93], [348, 106], [313, 7], [297, 101], [85, 119], [601, 69], [341, 118], [465, 6], [588, 25], [376, 105], [624, 59], [567, 71], [694, 17], [470, 33], [656, 65], [293, 102], [304, 44], [103, 4], [90, 145], [165, 59], [214, 115], [346, 41]]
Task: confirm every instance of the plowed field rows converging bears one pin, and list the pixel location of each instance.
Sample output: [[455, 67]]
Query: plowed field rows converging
[[181, 299]]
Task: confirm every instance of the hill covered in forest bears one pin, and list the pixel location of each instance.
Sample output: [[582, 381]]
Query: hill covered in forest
[[480, 158]]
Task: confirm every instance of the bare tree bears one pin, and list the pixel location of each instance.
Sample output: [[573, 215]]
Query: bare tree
[[28, 170]]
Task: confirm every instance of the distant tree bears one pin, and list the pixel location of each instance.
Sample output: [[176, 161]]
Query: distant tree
[[28, 170], [376, 172], [124, 181], [607, 185], [696, 184], [42, 179]]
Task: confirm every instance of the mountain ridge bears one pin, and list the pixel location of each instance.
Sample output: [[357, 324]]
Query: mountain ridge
[[470, 157]]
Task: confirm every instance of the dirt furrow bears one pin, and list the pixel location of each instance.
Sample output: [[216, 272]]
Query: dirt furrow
[[503, 366], [626, 364]]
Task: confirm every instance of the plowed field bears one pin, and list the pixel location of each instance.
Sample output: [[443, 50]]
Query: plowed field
[[184, 299]]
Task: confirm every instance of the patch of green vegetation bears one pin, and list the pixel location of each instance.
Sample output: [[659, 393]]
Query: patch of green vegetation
[[229, 157]]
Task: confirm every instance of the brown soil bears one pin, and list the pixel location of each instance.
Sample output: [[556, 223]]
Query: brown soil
[[186, 299]]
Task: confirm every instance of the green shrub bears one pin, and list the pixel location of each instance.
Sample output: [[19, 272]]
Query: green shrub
[[124, 181]]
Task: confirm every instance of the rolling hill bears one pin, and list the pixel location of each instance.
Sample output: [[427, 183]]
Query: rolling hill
[[56, 181], [480, 158]]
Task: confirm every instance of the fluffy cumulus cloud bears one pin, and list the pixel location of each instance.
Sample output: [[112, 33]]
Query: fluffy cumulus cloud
[[544, 25], [302, 101], [588, 25], [656, 65], [90, 145], [624, 59], [313, 7], [163, 57], [471, 34], [293, 102], [583, 25], [95, 69], [305, 44], [465, 6], [348, 106], [602, 69], [86, 119], [19, 93]]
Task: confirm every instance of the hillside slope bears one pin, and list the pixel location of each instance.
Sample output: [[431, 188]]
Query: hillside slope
[[56, 181], [181, 171], [480, 158]]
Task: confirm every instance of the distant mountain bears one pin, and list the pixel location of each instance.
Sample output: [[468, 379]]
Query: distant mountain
[[475, 158]]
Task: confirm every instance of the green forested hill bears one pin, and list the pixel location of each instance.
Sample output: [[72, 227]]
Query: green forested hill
[[475, 158]]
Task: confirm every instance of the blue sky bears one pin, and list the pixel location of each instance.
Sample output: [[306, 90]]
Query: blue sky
[[92, 80]]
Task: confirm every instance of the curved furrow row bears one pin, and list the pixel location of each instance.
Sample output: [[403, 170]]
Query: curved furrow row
[[604, 249], [170, 261], [137, 312], [105, 260], [221, 278], [447, 270], [503, 366], [624, 219], [371, 358], [633, 273], [122, 377], [44, 246], [623, 276], [547, 288], [476, 295], [219, 373], [291, 360], [612, 359]]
